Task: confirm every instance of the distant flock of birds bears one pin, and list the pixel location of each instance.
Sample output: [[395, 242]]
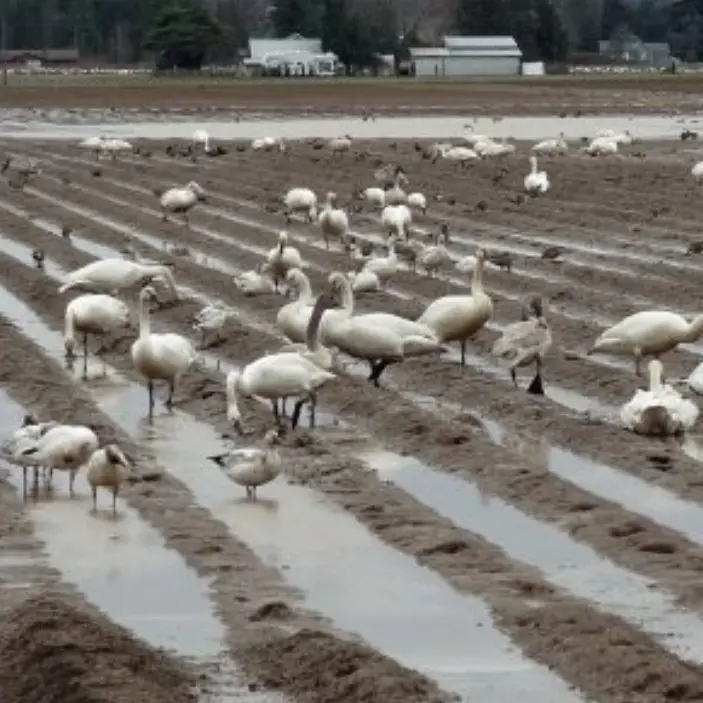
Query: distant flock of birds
[[320, 327]]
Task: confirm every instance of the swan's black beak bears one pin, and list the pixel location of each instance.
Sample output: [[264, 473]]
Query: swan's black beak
[[219, 459]]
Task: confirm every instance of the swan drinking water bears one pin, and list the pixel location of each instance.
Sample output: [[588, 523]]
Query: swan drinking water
[[96, 314], [253, 467], [661, 410], [648, 333], [160, 356], [279, 376]]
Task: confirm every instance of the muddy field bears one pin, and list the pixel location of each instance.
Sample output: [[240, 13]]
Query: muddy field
[[443, 535], [76, 98]]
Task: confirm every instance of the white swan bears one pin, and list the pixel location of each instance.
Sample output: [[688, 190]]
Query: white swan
[[525, 342], [379, 338], [115, 146], [107, 468], [374, 196], [257, 282], [253, 467], [383, 267], [62, 448], [201, 138], [551, 146], [293, 318], [697, 171], [333, 221], [470, 136], [96, 314], [364, 281], [602, 146], [182, 201], [282, 258], [94, 144], [461, 154], [455, 318], [536, 182], [268, 144], [113, 275], [339, 145], [417, 201], [300, 200], [648, 333], [395, 195], [435, 257], [30, 430], [396, 220], [211, 319], [159, 356], [661, 410], [277, 377]]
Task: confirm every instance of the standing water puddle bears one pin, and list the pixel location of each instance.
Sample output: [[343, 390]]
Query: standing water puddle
[[566, 564], [634, 494], [120, 565], [375, 591]]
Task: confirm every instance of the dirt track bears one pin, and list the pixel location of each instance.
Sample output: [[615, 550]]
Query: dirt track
[[635, 215], [566, 95]]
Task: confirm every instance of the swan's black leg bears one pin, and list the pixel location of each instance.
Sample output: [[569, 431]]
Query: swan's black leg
[[313, 405], [372, 366], [537, 387], [150, 388], [463, 352], [171, 390], [295, 417], [276, 414], [379, 368], [24, 483], [513, 375], [283, 407]]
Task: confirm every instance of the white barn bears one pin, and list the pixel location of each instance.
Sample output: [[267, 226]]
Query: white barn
[[301, 55], [465, 57]]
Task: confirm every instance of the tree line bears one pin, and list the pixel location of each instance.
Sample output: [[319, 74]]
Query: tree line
[[185, 33]]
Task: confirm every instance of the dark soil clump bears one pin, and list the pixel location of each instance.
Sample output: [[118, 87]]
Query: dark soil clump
[[53, 651]]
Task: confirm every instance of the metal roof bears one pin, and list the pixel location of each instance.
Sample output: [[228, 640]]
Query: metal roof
[[443, 52], [464, 42]]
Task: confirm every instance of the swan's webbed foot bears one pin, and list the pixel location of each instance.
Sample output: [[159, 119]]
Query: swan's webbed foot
[[536, 387]]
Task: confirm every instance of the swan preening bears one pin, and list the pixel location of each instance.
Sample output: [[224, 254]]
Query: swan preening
[[660, 410]]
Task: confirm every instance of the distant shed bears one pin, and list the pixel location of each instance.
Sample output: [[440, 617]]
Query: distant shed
[[466, 57]]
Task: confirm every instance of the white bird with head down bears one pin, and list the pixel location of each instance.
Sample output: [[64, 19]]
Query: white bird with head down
[[648, 333], [282, 258], [96, 314], [114, 275], [181, 201], [280, 376], [107, 468], [660, 410], [163, 357]]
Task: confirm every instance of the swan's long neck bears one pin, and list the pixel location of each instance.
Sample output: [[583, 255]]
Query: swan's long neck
[[695, 330], [347, 295], [312, 336], [304, 289], [655, 377], [232, 396], [534, 166], [69, 333], [144, 321], [281, 245], [477, 280]]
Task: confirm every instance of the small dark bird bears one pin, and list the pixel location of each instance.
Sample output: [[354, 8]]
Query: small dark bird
[[688, 134], [96, 173], [695, 248], [39, 256], [502, 259], [552, 253], [66, 231], [158, 192]]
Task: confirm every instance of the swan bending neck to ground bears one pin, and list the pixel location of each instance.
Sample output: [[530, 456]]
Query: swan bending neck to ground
[[648, 333], [253, 467], [160, 356], [279, 376], [107, 468], [96, 314], [661, 410]]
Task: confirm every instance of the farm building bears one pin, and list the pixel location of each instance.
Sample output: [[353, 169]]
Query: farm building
[[464, 57], [292, 56], [42, 57]]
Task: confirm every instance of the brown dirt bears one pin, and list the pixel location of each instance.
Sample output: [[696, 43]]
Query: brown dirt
[[555, 95], [593, 203], [77, 656]]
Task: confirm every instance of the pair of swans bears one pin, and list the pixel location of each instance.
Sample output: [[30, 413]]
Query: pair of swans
[[379, 338]]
